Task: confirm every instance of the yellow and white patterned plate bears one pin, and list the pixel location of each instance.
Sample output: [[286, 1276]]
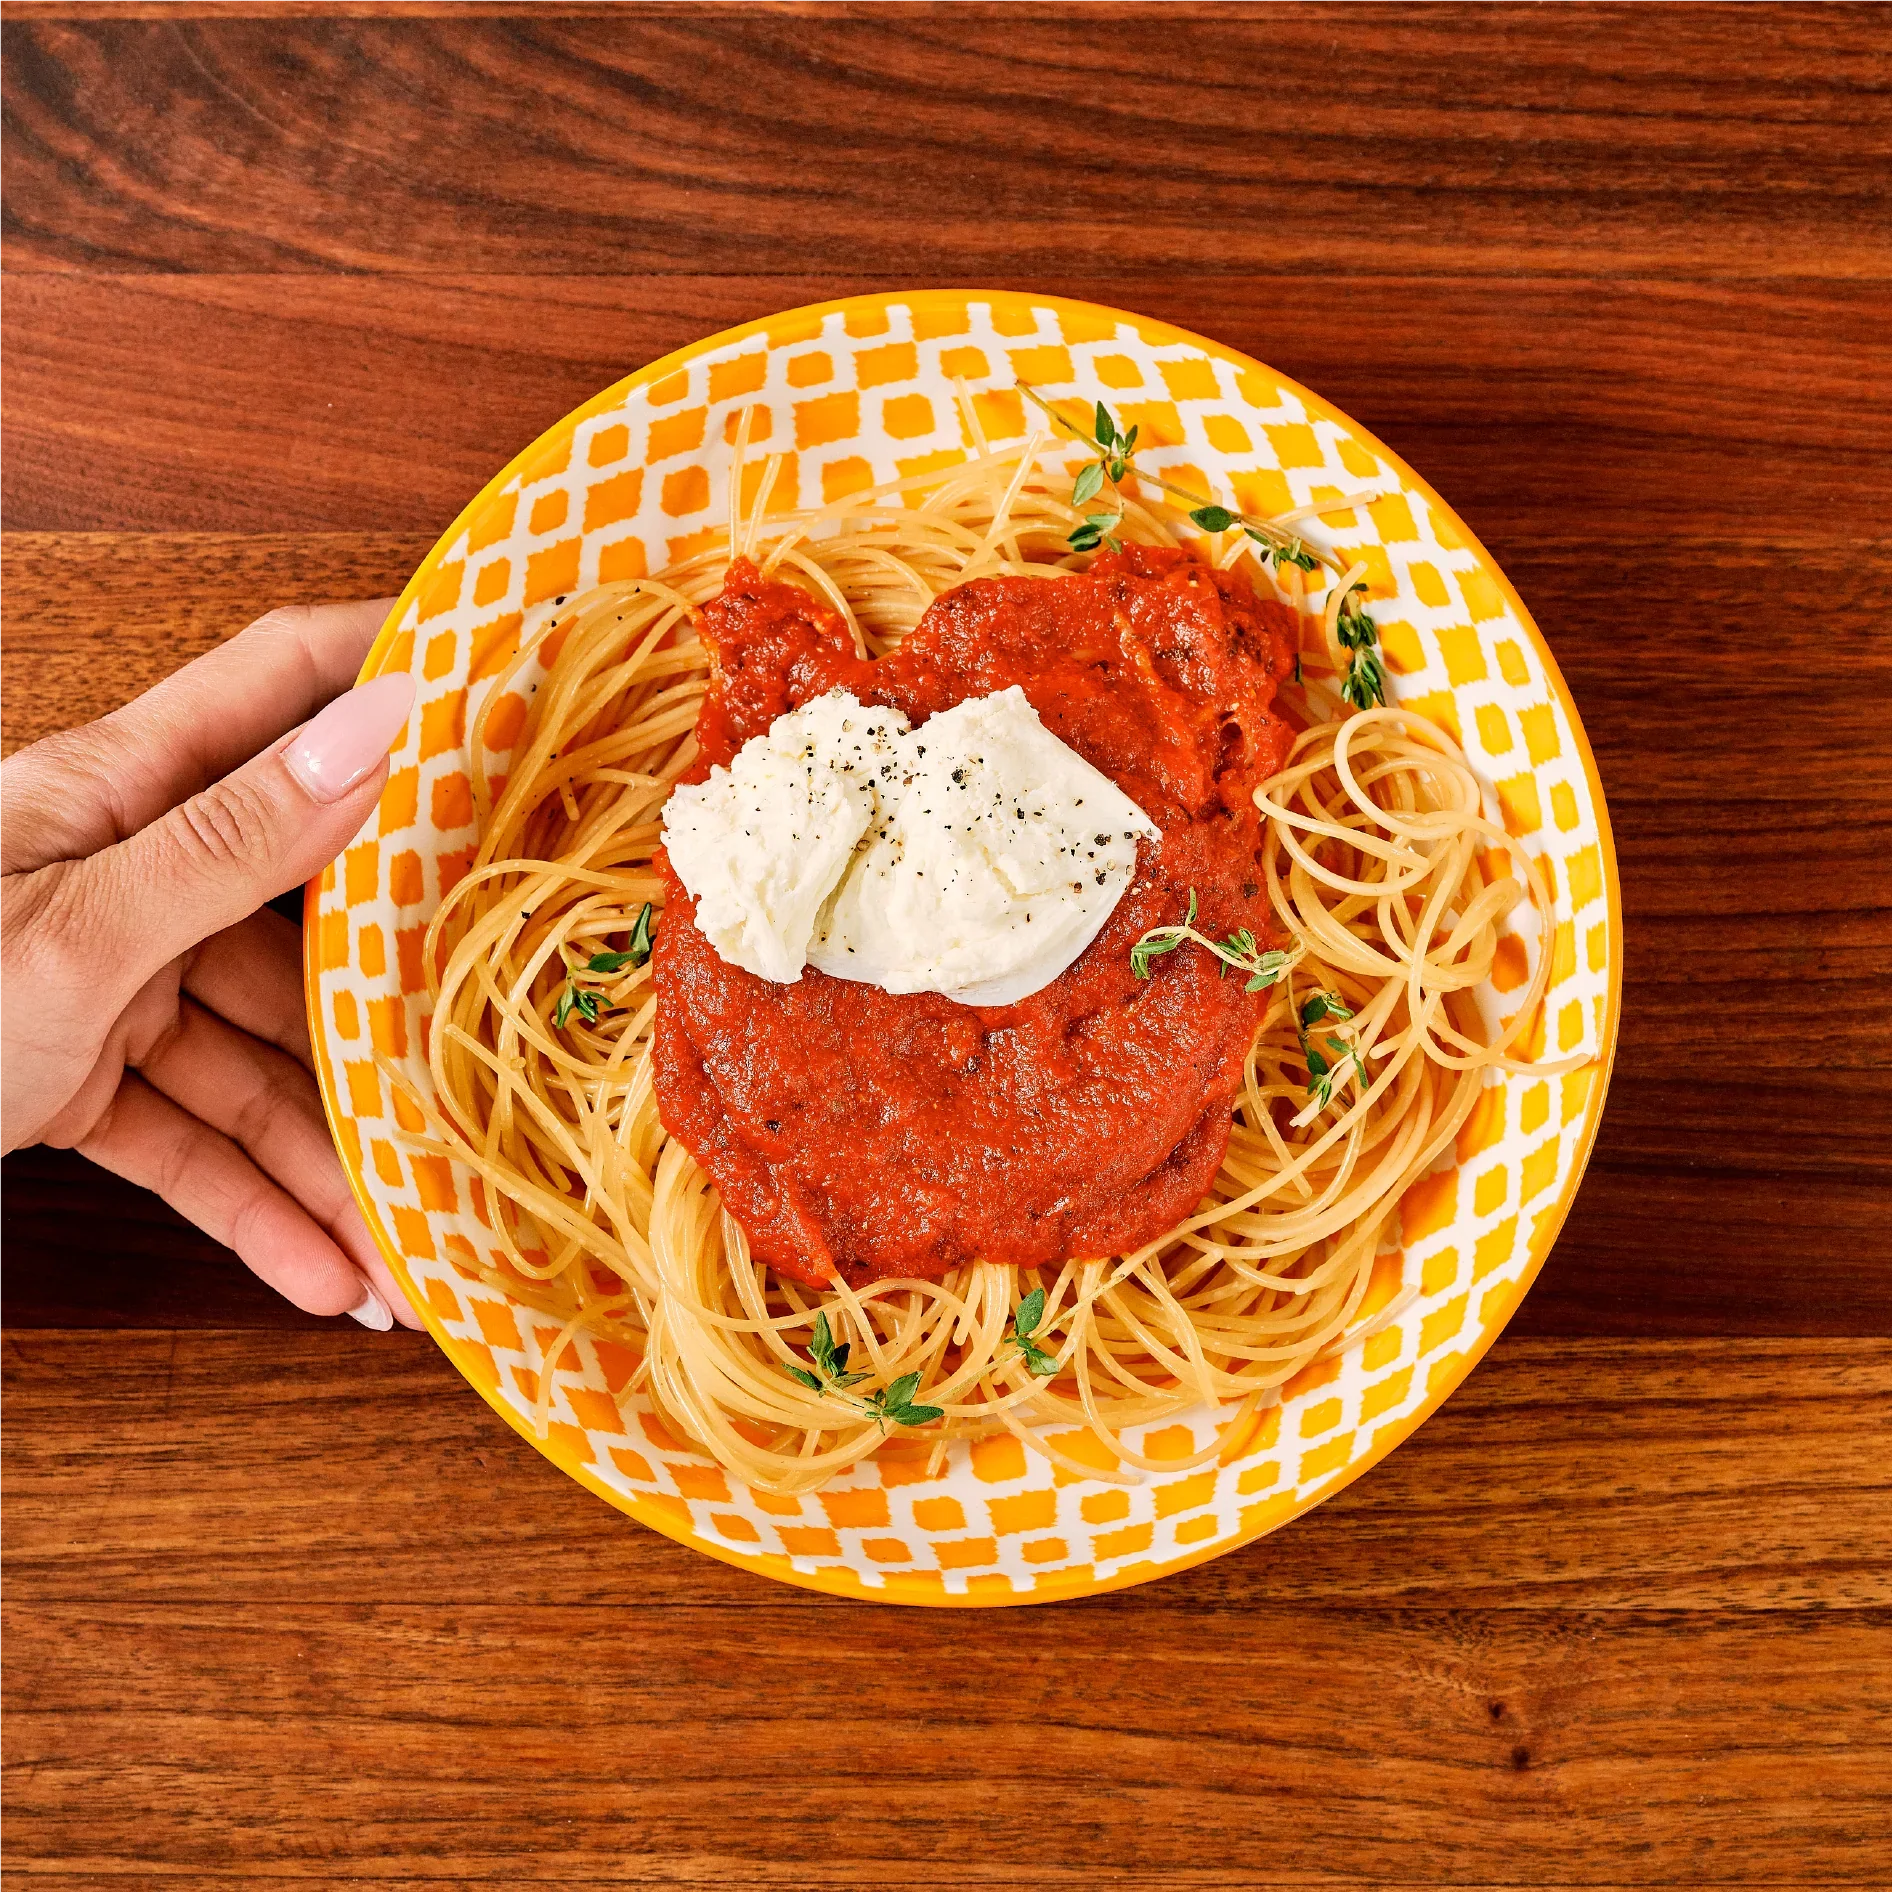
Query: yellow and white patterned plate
[[857, 392]]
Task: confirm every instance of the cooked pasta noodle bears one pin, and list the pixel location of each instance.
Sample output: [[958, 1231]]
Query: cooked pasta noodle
[[1389, 883]]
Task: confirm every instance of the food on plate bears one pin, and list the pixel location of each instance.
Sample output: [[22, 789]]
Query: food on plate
[[892, 1125], [980, 955]]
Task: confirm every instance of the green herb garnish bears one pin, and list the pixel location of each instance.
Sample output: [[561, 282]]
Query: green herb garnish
[[1117, 446], [1113, 447], [1097, 528], [1356, 630], [577, 999], [583, 1000], [1324, 1005], [1241, 950], [832, 1375], [1112, 463], [641, 940], [1295, 553], [894, 1403], [1322, 1077], [1364, 685], [1323, 1073], [1031, 1310]]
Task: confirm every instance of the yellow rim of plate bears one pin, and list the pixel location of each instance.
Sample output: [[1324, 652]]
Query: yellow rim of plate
[[1076, 1583]]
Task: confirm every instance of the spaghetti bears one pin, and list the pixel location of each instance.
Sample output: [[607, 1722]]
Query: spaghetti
[[1387, 878]]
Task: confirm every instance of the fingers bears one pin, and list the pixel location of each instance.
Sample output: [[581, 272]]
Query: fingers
[[151, 1141], [251, 974], [212, 861], [265, 1101], [259, 1097], [85, 789], [371, 1261]]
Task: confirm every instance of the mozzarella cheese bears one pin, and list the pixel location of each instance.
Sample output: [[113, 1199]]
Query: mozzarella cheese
[[763, 843], [1002, 857], [975, 857]]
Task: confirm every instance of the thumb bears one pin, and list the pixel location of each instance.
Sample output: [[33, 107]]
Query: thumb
[[267, 827]]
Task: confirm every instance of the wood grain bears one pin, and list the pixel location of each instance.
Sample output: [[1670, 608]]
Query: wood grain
[[284, 287], [1461, 139], [332, 402], [1521, 1741], [1548, 1639], [96, 618]]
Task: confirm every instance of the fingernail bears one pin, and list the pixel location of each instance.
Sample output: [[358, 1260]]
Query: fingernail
[[372, 1312], [332, 752]]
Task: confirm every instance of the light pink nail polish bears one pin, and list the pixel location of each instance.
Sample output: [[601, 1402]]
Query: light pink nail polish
[[372, 1311], [334, 750]]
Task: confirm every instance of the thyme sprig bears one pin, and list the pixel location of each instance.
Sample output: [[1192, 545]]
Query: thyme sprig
[[1240, 949], [1364, 684], [1323, 1073], [890, 1405], [1113, 446], [1031, 1310], [583, 999], [1112, 463]]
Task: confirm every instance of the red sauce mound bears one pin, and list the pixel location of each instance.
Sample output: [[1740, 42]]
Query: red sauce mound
[[854, 1130]]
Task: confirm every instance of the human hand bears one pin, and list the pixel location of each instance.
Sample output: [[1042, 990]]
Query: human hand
[[154, 1015]]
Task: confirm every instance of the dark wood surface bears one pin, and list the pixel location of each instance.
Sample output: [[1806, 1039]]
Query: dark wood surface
[[288, 1603]]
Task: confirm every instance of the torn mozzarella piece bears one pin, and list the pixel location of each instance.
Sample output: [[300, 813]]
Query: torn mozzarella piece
[[763, 843], [999, 863]]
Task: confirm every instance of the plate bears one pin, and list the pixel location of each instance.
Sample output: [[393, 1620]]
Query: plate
[[856, 392]]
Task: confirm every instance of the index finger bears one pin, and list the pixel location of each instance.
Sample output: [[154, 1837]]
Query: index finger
[[87, 788]]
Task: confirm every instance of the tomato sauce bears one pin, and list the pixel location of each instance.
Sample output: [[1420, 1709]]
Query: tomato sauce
[[876, 1134]]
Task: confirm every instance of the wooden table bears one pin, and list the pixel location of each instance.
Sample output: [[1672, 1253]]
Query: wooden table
[[286, 1603]]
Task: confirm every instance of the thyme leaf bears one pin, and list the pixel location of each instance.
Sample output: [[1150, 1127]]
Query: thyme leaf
[[894, 1405], [1286, 550], [1160, 940], [1325, 1073], [574, 998], [1096, 527], [1031, 1310], [832, 1360]]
